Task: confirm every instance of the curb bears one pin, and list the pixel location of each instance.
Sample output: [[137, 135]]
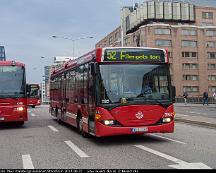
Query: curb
[[205, 124], [210, 106], [195, 105]]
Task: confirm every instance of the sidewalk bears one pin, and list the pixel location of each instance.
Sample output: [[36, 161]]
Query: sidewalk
[[197, 120], [194, 105]]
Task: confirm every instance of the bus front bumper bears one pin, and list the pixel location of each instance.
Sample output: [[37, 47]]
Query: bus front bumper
[[15, 116], [103, 130]]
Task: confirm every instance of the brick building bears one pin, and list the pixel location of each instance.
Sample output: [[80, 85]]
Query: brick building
[[186, 30]]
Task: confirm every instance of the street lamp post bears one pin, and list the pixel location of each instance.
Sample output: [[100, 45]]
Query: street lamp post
[[73, 40]]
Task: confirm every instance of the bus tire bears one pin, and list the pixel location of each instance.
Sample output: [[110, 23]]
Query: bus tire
[[57, 116], [20, 123], [80, 127], [33, 106]]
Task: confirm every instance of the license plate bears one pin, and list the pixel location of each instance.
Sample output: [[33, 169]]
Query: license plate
[[1, 118], [143, 129]]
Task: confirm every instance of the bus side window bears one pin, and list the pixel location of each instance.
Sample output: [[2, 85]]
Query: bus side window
[[85, 83]]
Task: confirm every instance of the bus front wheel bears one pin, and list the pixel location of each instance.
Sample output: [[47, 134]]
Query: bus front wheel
[[20, 123]]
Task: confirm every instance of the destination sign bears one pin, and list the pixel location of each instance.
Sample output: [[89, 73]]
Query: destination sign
[[134, 55]]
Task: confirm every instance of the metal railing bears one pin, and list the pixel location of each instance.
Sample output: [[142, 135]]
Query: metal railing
[[195, 100]]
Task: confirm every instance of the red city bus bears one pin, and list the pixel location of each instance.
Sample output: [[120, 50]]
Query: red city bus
[[13, 99], [33, 96], [115, 91]]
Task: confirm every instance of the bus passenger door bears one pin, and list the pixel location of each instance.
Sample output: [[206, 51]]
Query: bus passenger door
[[65, 99], [91, 99]]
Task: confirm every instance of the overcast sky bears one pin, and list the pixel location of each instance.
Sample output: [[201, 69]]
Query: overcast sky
[[27, 27]]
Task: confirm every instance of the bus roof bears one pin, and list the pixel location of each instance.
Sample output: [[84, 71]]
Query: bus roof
[[11, 63], [72, 63]]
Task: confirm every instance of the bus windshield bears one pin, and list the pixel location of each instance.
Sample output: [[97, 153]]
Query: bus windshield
[[34, 92], [142, 83], [12, 81]]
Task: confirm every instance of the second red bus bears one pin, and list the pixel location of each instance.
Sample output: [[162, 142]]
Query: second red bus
[[34, 98]]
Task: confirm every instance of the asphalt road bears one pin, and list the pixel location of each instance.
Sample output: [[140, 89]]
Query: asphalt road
[[42, 143]]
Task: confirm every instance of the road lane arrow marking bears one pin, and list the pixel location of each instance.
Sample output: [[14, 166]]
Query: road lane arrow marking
[[180, 164], [186, 165]]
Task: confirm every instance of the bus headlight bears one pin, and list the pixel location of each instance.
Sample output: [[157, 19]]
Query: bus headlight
[[167, 120], [108, 122], [20, 109]]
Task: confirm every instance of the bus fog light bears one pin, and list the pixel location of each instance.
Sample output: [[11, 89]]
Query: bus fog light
[[20, 109], [166, 120]]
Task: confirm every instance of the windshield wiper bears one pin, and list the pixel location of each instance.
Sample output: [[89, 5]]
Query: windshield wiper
[[163, 103]]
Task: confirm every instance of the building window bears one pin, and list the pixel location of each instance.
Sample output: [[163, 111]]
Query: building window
[[211, 44], [191, 88], [207, 15], [188, 66], [170, 55], [117, 37], [187, 43], [212, 55], [211, 66], [189, 54], [212, 77], [207, 24], [211, 33], [163, 42], [189, 32], [110, 40], [191, 77], [127, 41], [212, 89], [162, 31]]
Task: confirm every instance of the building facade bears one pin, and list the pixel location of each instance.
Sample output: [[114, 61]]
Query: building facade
[[186, 30], [60, 60], [2, 53], [46, 84]]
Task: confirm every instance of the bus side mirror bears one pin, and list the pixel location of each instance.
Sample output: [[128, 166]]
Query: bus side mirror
[[173, 91], [93, 67]]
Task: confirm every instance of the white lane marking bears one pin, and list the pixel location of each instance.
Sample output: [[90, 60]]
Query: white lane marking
[[76, 149], [196, 113], [173, 140], [182, 115], [29, 111], [53, 128], [180, 164], [33, 115], [27, 162]]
